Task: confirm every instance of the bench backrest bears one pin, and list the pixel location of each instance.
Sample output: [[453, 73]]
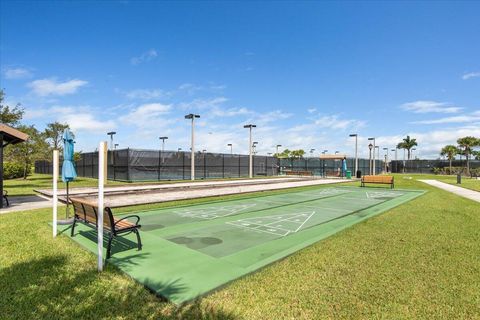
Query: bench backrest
[[89, 212], [378, 179]]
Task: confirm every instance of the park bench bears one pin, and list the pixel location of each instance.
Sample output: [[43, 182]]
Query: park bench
[[378, 180], [298, 173], [5, 197], [86, 213]]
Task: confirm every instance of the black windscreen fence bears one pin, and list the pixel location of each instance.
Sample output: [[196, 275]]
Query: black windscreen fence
[[155, 165], [430, 166]]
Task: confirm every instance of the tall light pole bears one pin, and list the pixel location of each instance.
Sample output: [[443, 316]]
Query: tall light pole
[[179, 149], [386, 159], [311, 152], [356, 151], [231, 148], [192, 117], [370, 147], [115, 146], [378, 152], [411, 155], [278, 145], [111, 134], [250, 164], [395, 150], [163, 145], [373, 154], [254, 146]]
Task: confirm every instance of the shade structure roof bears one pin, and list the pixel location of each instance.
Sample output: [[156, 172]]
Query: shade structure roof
[[11, 135]]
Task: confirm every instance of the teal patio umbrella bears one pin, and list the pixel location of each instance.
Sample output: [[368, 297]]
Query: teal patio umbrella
[[68, 167]]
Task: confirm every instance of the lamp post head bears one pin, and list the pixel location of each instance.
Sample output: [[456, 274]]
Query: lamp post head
[[163, 138], [353, 135], [250, 126], [111, 133], [229, 145], [371, 139], [385, 148], [279, 145], [370, 146], [191, 116]]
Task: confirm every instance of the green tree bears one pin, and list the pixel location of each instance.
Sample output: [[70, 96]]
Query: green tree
[[297, 154], [466, 145], [284, 154], [449, 151], [407, 143], [8, 115], [53, 133], [27, 152]]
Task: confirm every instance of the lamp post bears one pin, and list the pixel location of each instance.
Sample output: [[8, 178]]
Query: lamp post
[[250, 162], [231, 148], [278, 145], [163, 145], [378, 152], [356, 150], [311, 152], [179, 149], [395, 150], [373, 171], [323, 169], [254, 146], [386, 159], [413, 149], [192, 117], [115, 146], [111, 134], [370, 147]]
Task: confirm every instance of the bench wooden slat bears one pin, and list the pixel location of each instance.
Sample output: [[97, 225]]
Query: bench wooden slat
[[86, 212], [378, 179]]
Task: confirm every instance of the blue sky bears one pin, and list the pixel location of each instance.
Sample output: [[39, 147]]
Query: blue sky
[[307, 74]]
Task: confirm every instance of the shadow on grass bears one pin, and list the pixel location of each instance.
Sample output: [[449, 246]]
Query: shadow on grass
[[52, 287]]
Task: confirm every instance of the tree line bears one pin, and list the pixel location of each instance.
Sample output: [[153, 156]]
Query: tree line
[[465, 147], [40, 144]]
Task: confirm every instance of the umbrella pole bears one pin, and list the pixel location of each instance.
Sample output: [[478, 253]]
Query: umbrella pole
[[66, 211]]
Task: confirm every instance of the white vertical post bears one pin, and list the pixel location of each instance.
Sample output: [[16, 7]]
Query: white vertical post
[[55, 191], [192, 157], [373, 157], [250, 164], [356, 155], [100, 204]]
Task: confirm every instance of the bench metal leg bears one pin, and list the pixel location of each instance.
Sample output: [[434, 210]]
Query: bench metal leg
[[6, 201], [73, 227], [109, 247], [139, 241]]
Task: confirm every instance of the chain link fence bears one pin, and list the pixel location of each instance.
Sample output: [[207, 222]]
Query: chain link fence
[[430, 166], [154, 165]]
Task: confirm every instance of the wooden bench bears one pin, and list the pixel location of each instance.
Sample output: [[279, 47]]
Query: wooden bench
[[378, 180], [86, 212], [5, 197], [299, 173]]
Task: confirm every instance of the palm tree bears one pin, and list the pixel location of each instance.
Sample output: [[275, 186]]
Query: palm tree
[[408, 144], [466, 145], [449, 151]]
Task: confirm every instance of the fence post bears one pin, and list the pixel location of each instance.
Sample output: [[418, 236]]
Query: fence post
[[205, 165], [183, 165], [128, 164], [239, 167], [223, 165], [159, 163]]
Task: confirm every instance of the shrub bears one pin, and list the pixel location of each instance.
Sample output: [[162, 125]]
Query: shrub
[[12, 170]]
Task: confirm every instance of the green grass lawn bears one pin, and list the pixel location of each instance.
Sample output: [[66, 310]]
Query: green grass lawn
[[419, 260], [467, 182]]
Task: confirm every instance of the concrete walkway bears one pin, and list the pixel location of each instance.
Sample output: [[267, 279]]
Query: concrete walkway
[[466, 193], [24, 203]]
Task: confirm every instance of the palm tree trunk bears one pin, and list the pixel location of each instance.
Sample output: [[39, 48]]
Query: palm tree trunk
[[408, 154], [468, 163], [450, 165]]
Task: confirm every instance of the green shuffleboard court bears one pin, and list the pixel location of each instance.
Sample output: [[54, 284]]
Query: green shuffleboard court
[[189, 251]]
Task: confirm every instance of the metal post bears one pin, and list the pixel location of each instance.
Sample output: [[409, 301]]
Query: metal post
[[223, 166], [250, 159], [55, 191], [100, 203], [356, 154], [1, 170]]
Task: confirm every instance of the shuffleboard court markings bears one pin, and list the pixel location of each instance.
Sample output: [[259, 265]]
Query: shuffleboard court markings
[[213, 212], [280, 224], [382, 194]]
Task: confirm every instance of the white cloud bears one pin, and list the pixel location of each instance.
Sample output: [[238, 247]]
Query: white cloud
[[147, 115], [46, 87], [202, 104], [231, 112], [335, 122], [470, 75], [146, 94], [17, 73], [312, 110], [423, 106], [87, 122], [144, 57], [456, 119]]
